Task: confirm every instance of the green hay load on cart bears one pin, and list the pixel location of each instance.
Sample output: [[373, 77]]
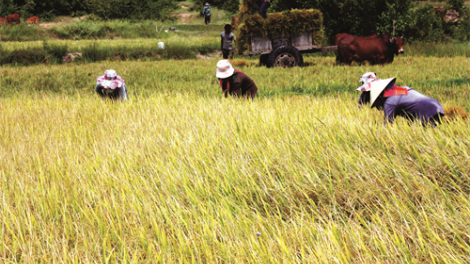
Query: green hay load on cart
[[289, 23]]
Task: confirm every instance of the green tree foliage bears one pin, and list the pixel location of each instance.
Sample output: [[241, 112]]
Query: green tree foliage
[[230, 6], [107, 9], [142, 9], [357, 17], [457, 5], [44, 9], [426, 25], [7, 7]]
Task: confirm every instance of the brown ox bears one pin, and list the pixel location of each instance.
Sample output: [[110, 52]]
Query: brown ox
[[33, 20], [339, 36], [3, 21], [380, 49], [15, 18], [234, 23]]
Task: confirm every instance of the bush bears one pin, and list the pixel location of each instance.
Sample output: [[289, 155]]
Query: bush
[[230, 6], [426, 25], [460, 29], [108, 29], [54, 52], [144, 9], [357, 17]]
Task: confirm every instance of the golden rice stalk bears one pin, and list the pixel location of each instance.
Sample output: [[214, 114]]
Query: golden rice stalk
[[239, 63], [453, 113]]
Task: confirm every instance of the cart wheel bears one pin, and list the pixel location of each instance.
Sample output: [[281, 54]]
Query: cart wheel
[[285, 56], [263, 59]]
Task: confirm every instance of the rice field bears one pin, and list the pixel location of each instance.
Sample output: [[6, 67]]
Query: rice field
[[179, 174]]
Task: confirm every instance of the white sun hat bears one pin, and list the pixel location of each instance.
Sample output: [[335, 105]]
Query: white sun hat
[[224, 69], [110, 74], [366, 79], [377, 87]]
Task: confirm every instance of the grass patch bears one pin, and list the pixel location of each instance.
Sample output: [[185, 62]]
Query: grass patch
[[448, 81], [177, 47]]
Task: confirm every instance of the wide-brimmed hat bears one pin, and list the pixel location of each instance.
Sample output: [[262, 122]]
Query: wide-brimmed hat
[[224, 69], [366, 79], [377, 87]]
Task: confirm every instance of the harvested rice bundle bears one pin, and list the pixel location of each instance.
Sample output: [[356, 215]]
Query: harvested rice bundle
[[452, 113], [289, 23]]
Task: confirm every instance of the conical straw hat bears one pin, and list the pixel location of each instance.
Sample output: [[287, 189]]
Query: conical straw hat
[[377, 87]]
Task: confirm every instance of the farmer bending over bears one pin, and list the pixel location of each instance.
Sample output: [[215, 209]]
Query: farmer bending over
[[399, 101], [226, 39], [112, 86], [235, 82]]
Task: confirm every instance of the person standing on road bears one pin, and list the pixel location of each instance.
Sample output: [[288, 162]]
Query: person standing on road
[[234, 82], [207, 14], [226, 39], [397, 100], [264, 8], [111, 86]]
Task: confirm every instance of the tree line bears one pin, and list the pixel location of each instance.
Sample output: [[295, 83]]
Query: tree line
[[358, 17], [401, 17], [104, 9]]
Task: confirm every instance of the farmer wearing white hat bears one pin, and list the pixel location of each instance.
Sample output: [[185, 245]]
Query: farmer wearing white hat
[[110, 85], [398, 101], [235, 82]]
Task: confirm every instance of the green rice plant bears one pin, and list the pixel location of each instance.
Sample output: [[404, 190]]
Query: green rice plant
[[54, 51], [176, 47], [24, 33]]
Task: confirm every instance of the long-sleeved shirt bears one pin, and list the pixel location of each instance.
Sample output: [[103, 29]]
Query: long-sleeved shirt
[[239, 85], [413, 106], [120, 92], [206, 11]]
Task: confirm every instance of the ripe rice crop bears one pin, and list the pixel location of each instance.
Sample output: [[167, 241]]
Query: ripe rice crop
[[178, 174]]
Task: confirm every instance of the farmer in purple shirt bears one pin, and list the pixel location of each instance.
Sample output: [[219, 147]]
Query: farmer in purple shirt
[[399, 101]]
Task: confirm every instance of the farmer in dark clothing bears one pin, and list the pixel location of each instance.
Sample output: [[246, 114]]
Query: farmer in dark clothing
[[264, 8], [227, 37], [235, 82], [207, 14], [399, 101], [111, 86]]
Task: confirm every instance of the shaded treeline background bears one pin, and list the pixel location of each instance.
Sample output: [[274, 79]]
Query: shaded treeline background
[[417, 21], [106, 9]]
